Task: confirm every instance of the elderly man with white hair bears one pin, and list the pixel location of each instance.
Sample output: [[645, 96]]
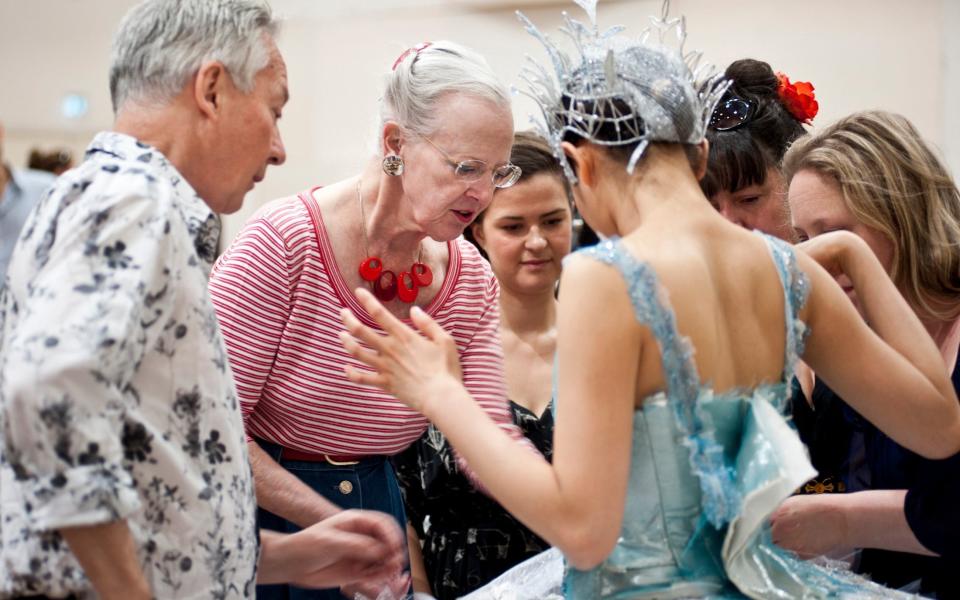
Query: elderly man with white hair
[[123, 466]]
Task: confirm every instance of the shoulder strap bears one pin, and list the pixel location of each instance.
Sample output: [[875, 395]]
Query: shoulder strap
[[796, 288], [651, 308]]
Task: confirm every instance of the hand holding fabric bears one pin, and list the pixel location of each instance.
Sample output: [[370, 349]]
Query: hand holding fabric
[[811, 526]]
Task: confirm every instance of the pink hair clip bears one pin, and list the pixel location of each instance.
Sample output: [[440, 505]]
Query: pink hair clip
[[416, 50]]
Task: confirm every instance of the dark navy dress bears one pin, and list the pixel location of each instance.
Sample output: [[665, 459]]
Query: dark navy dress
[[845, 443]]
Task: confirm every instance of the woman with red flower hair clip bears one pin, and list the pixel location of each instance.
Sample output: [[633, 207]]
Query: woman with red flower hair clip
[[751, 128]]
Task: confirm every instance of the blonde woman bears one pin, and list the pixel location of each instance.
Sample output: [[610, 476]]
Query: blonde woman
[[872, 174]]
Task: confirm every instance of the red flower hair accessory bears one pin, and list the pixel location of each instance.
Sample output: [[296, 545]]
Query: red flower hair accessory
[[798, 98], [416, 50]]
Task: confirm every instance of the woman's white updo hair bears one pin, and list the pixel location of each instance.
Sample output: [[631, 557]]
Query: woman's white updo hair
[[423, 77]]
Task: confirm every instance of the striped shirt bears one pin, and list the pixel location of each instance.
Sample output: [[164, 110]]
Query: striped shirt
[[278, 294]]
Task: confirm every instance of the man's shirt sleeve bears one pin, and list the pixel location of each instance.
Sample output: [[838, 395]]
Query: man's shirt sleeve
[[99, 300]]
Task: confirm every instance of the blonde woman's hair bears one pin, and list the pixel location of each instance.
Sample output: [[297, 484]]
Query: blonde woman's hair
[[892, 180]]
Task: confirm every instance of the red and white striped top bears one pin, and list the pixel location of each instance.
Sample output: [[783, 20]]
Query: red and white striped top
[[278, 295]]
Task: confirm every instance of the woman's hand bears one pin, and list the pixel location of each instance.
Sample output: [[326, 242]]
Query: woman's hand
[[413, 367], [812, 525], [836, 251], [833, 250]]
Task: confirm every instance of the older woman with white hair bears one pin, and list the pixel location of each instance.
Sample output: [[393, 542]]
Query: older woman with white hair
[[318, 441]]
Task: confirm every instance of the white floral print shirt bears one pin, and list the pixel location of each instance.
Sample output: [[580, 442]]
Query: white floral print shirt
[[116, 399]]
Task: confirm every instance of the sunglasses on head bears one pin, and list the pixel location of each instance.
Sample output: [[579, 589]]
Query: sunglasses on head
[[731, 112]]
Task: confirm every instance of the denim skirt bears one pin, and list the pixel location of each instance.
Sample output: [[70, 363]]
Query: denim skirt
[[370, 484]]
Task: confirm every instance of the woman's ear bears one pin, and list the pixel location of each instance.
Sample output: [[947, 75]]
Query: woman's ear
[[700, 169], [476, 228], [391, 138], [583, 161]]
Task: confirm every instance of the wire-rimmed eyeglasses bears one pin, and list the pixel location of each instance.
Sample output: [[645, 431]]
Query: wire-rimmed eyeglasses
[[472, 170]]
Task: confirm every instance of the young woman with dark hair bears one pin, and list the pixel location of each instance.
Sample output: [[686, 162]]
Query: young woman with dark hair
[[753, 125]]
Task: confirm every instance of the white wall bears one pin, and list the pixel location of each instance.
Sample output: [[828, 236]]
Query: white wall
[[950, 76], [891, 54]]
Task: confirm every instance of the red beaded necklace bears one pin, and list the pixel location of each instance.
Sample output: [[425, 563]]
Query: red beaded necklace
[[386, 285]]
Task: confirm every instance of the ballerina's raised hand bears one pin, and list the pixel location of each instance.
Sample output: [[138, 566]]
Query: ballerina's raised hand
[[415, 365]]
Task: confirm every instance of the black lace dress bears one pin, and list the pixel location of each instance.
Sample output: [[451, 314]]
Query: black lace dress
[[468, 538]]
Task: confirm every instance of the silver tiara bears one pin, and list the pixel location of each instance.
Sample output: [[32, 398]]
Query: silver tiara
[[622, 91]]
